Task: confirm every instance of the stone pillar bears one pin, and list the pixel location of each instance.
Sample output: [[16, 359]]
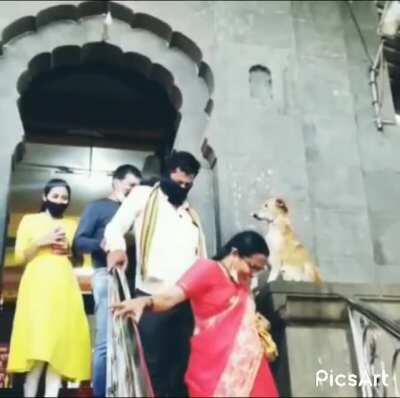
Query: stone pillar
[[11, 132]]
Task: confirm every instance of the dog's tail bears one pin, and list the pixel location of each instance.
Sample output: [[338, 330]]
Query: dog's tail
[[314, 274], [318, 278]]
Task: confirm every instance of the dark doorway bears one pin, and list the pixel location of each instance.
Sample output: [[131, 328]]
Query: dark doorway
[[98, 104]]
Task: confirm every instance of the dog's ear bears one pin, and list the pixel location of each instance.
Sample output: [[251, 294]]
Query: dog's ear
[[281, 204]]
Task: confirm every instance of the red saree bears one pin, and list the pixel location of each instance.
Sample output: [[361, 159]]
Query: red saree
[[226, 357]]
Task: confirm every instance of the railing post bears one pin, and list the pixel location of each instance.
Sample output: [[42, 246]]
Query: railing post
[[127, 374], [376, 349]]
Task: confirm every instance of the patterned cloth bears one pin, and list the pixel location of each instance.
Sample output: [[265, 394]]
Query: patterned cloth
[[227, 358]]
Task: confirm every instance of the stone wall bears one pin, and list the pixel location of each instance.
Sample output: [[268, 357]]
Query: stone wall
[[308, 135], [312, 141]]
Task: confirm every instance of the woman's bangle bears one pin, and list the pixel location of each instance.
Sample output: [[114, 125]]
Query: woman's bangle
[[150, 304]]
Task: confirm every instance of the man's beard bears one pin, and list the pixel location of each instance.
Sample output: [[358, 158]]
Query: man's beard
[[176, 194]]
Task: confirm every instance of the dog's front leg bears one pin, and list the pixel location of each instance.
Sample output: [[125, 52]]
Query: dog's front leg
[[275, 268]]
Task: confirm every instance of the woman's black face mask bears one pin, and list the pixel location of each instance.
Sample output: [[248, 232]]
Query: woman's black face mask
[[176, 194], [56, 210]]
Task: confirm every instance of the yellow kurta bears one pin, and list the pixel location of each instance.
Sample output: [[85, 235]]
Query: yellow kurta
[[50, 323]]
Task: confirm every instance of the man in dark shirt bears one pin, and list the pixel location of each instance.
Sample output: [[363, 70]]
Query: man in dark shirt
[[88, 239]]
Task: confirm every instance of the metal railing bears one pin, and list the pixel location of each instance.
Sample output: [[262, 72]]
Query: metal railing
[[127, 373], [376, 340]]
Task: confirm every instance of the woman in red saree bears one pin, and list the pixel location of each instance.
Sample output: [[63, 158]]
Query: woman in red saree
[[227, 358]]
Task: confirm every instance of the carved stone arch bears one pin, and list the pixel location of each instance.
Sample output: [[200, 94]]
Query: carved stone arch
[[71, 59], [66, 32], [106, 54], [76, 25]]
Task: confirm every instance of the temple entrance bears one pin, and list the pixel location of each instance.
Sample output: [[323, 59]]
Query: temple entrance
[[81, 122], [85, 107]]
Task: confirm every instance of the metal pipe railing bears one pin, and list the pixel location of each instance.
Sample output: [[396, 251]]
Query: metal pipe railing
[[373, 73], [376, 344], [127, 373], [389, 325]]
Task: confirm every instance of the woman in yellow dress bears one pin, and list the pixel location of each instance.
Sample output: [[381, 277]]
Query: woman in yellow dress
[[50, 327]]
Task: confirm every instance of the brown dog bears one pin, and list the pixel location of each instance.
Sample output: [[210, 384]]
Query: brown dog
[[288, 256]]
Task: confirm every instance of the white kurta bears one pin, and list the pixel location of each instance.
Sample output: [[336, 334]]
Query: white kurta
[[174, 246]]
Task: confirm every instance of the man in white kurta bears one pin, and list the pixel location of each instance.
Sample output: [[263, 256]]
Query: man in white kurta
[[176, 243]]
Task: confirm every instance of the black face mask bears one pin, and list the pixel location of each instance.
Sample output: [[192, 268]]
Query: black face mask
[[55, 209], [176, 194]]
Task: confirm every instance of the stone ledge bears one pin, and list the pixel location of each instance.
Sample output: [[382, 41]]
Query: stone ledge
[[290, 302]]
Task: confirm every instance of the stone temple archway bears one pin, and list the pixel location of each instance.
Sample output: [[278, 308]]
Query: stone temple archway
[[127, 88], [67, 34], [70, 25]]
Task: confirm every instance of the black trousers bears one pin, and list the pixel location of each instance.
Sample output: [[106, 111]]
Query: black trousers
[[166, 343]]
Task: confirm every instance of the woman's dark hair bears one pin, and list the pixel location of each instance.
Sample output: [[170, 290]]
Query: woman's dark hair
[[53, 183], [247, 243], [185, 161]]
